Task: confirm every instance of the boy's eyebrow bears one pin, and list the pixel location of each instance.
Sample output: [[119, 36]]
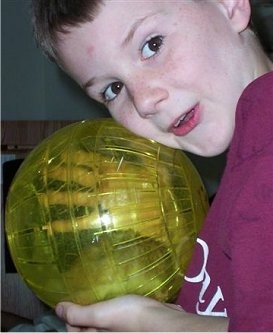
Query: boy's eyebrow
[[134, 28], [88, 83]]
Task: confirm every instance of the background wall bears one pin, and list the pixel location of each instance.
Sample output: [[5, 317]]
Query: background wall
[[33, 88]]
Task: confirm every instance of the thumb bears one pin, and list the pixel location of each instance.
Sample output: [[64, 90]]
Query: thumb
[[77, 315]]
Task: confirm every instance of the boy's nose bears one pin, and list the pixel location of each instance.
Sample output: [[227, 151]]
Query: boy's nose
[[149, 100]]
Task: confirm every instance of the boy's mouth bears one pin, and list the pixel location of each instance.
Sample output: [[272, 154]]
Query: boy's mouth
[[184, 124]]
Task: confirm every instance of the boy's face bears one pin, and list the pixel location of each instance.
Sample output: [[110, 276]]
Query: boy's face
[[168, 70]]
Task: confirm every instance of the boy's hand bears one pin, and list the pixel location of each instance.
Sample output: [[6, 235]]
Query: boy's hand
[[135, 313], [125, 313]]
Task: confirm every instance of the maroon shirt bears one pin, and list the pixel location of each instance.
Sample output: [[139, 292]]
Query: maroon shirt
[[231, 273]]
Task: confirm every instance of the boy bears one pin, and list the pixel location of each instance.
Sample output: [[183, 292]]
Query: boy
[[174, 71]]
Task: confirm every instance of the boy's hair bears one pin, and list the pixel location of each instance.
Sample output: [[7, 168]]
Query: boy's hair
[[50, 17]]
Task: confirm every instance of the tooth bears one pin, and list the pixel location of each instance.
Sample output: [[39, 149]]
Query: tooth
[[178, 123]]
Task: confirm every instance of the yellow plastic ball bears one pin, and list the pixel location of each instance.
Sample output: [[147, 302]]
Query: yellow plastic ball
[[96, 212]]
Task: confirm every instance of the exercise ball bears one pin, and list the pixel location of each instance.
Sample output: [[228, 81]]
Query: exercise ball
[[96, 212]]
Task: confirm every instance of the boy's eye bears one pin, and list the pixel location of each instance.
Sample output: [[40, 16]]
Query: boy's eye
[[112, 91], [151, 47]]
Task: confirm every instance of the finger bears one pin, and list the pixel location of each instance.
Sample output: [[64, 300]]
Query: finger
[[79, 316], [70, 328], [80, 329]]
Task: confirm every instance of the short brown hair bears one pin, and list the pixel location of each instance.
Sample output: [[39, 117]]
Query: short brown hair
[[52, 16]]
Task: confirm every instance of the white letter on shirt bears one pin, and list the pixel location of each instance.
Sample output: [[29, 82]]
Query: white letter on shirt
[[204, 277]]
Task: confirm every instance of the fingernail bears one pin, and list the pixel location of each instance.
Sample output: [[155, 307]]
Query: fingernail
[[59, 310]]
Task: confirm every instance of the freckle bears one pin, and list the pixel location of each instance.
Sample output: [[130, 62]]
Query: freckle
[[90, 50]]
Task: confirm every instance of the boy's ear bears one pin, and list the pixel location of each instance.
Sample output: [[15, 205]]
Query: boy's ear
[[238, 12]]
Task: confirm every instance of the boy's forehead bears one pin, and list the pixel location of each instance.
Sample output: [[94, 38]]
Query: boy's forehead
[[114, 18], [131, 11]]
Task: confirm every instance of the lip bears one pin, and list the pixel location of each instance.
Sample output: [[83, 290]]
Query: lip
[[191, 120]]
